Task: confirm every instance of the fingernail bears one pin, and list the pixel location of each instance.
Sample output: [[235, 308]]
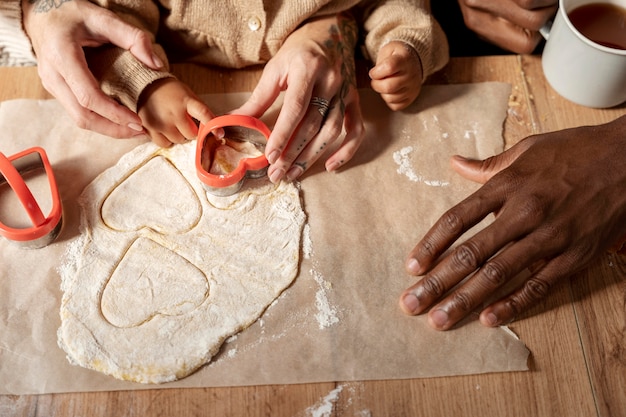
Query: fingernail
[[491, 319], [273, 157], [135, 126], [413, 266], [157, 61], [293, 173], [439, 318], [411, 303], [332, 167], [276, 175]]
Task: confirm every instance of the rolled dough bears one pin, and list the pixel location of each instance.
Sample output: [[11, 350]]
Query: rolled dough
[[162, 272]]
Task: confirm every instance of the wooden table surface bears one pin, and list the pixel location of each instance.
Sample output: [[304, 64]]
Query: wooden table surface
[[577, 336]]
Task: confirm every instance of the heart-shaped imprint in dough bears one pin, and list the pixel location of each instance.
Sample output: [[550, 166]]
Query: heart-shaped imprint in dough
[[152, 280], [149, 306], [171, 208]]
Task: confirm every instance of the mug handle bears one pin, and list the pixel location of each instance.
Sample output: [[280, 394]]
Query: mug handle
[[545, 29]]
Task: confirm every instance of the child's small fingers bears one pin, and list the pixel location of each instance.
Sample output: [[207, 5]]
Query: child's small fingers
[[160, 140], [393, 85], [199, 111], [396, 104], [382, 70], [186, 129]]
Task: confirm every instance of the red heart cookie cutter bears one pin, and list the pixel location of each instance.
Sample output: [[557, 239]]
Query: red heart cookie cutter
[[230, 182], [45, 228]]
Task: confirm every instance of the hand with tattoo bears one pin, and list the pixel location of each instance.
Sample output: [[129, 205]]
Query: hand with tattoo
[[58, 30], [315, 68]]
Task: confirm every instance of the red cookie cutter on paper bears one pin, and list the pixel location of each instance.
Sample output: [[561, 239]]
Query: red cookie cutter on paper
[[231, 182], [45, 228]]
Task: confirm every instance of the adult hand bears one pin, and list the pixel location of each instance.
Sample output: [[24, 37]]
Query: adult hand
[[560, 202], [397, 75], [315, 68], [58, 32], [510, 24]]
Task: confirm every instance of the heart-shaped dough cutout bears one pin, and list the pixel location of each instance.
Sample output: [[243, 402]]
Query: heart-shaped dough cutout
[[159, 198], [246, 251], [151, 280]]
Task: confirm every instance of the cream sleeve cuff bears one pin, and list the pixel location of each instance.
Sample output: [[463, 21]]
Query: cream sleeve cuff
[[15, 47], [122, 76]]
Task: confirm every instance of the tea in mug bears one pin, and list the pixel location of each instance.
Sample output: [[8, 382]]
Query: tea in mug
[[603, 23]]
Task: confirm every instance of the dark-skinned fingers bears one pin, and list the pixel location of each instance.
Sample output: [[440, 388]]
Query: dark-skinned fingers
[[482, 171], [502, 32], [537, 266], [526, 14], [464, 260], [450, 227], [519, 218], [536, 4], [481, 286], [534, 289]]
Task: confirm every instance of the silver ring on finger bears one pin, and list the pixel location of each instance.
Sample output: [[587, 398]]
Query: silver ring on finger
[[322, 105]]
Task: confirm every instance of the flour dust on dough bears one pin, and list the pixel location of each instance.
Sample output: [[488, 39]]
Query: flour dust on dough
[[163, 273]]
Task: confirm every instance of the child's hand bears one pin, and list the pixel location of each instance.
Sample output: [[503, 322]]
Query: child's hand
[[397, 75], [167, 109]]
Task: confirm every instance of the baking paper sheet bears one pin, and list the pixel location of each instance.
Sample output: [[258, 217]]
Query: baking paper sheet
[[340, 320]]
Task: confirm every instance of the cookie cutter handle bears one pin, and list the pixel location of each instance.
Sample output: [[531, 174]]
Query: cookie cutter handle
[[9, 173], [17, 183]]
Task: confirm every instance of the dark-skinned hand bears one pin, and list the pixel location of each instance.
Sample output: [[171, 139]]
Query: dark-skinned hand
[[560, 202]]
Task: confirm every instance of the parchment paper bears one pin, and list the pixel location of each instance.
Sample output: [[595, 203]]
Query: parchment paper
[[339, 321]]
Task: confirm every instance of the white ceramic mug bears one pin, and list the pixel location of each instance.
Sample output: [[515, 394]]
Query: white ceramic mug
[[579, 69]]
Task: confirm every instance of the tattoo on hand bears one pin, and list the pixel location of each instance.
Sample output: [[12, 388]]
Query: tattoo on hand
[[44, 6], [343, 40]]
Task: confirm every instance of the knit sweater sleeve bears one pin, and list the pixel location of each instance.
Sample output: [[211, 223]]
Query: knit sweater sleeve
[[120, 74], [411, 22], [15, 48]]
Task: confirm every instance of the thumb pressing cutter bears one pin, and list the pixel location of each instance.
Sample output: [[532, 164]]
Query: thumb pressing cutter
[[14, 171], [223, 164]]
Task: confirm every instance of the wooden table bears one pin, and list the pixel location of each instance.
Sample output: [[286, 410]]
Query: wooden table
[[577, 336]]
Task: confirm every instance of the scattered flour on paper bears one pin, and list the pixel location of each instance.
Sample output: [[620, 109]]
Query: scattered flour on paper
[[326, 314], [471, 133], [403, 160]]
